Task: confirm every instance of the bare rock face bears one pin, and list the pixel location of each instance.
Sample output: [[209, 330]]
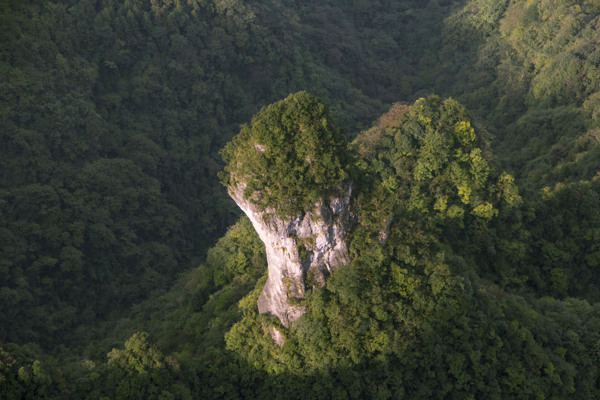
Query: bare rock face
[[302, 250]]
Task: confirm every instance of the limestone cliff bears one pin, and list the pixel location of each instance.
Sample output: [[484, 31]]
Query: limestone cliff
[[288, 170], [302, 249]]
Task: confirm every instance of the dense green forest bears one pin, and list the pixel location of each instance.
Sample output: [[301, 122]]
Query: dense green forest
[[469, 128]]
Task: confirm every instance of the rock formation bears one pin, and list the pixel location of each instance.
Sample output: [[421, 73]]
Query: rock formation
[[288, 171], [302, 249]]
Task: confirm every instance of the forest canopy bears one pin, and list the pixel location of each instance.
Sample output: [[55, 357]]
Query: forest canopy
[[126, 271]]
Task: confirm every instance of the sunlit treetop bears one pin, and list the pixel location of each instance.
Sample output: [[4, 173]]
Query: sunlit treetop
[[436, 162], [288, 157]]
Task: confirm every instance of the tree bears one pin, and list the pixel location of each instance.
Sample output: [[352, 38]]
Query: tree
[[289, 156]]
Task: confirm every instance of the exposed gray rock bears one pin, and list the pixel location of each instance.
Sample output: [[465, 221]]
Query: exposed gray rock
[[277, 336], [302, 250]]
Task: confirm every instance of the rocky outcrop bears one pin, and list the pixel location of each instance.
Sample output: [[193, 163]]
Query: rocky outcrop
[[302, 250]]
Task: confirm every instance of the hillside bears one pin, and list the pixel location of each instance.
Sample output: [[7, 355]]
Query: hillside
[[475, 215]]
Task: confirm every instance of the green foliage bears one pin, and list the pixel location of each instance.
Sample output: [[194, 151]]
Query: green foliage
[[531, 71], [66, 244], [138, 356], [288, 157], [410, 302], [239, 253], [27, 374], [139, 93], [562, 246], [111, 116], [438, 167]]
